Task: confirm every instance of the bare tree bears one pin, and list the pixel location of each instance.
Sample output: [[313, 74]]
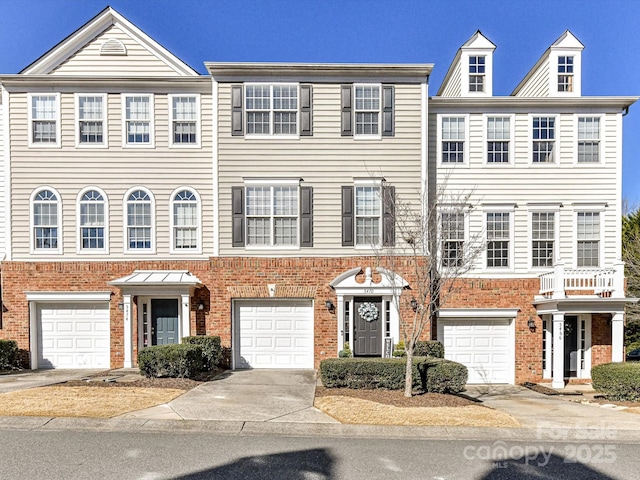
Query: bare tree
[[432, 250]]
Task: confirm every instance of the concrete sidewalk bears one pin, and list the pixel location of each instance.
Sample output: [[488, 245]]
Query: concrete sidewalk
[[246, 395], [24, 379]]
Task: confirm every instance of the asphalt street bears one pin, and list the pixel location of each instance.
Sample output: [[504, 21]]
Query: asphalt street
[[74, 454]]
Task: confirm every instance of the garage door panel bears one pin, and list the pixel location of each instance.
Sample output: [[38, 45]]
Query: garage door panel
[[482, 345], [73, 336], [274, 334]]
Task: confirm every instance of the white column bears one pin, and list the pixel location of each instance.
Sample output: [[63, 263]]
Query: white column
[[128, 332], [186, 319], [558, 350], [340, 322], [617, 337], [33, 335]]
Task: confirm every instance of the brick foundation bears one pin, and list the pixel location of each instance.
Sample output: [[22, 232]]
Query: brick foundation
[[225, 279]]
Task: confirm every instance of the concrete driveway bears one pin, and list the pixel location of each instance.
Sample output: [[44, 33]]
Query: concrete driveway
[[40, 378], [259, 395]]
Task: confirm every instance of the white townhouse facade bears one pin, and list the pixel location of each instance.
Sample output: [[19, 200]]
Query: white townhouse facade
[[144, 202]]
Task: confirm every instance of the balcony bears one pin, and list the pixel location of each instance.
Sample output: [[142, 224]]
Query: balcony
[[603, 282]]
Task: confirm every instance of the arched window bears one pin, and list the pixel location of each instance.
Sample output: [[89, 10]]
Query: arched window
[[46, 221], [139, 220], [185, 221], [92, 221]]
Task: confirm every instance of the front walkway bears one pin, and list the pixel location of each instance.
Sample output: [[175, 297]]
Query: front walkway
[[24, 379], [546, 413]]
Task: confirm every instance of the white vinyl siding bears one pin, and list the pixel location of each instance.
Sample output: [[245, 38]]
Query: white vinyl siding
[[325, 161], [114, 170], [559, 187], [139, 61]]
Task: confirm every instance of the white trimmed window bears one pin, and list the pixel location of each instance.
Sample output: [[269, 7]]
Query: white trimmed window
[[272, 215], [477, 73], [184, 120], [139, 221], [588, 239], [543, 234], [368, 215], [544, 136], [452, 135], [498, 139], [44, 120], [498, 228], [92, 221], [271, 109], [185, 221], [138, 120], [565, 73], [91, 120], [588, 139], [453, 233], [45, 221], [367, 109]]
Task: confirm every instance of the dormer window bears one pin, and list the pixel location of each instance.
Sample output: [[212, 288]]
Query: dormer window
[[476, 73], [565, 74]]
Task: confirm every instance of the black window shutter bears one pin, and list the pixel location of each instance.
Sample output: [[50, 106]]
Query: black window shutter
[[306, 216], [306, 113], [388, 215], [388, 103], [348, 216], [346, 110], [237, 216], [237, 124]]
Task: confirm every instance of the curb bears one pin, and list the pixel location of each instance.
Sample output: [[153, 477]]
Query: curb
[[582, 435]]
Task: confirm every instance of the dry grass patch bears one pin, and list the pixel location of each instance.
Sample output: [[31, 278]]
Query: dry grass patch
[[352, 410], [81, 401]]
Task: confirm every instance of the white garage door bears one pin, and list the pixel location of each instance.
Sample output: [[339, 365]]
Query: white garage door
[[482, 345], [73, 335], [274, 334]]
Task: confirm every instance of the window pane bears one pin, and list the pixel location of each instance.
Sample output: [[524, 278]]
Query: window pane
[[588, 235], [259, 231], [498, 233], [368, 215], [139, 220], [543, 236], [588, 140]]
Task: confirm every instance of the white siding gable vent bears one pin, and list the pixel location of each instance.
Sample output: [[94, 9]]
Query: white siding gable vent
[[113, 47]]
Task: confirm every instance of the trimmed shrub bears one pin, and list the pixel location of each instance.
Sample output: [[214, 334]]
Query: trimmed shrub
[[180, 360], [429, 348], [618, 381], [399, 350], [632, 346], [429, 374], [446, 376], [8, 355], [211, 350]]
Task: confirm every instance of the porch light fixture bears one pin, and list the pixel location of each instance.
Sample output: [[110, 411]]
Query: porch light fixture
[[121, 306], [414, 305], [531, 323], [200, 305], [330, 306]]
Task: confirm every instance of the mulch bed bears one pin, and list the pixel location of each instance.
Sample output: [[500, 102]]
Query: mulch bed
[[101, 380], [396, 398]]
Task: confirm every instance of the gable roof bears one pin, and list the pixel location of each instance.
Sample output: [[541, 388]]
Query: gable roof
[[567, 40], [89, 31], [477, 40]]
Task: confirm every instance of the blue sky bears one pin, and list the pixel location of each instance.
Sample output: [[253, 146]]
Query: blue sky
[[364, 31]]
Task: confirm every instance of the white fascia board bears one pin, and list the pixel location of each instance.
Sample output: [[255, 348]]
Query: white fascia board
[[478, 312]]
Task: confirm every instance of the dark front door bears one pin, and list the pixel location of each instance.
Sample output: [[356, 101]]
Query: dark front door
[[164, 321], [367, 327], [570, 346]]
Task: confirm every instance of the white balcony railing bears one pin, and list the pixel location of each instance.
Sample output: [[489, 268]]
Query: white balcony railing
[[600, 281]]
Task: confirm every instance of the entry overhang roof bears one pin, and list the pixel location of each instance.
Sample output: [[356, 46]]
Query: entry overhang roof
[[158, 278]]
